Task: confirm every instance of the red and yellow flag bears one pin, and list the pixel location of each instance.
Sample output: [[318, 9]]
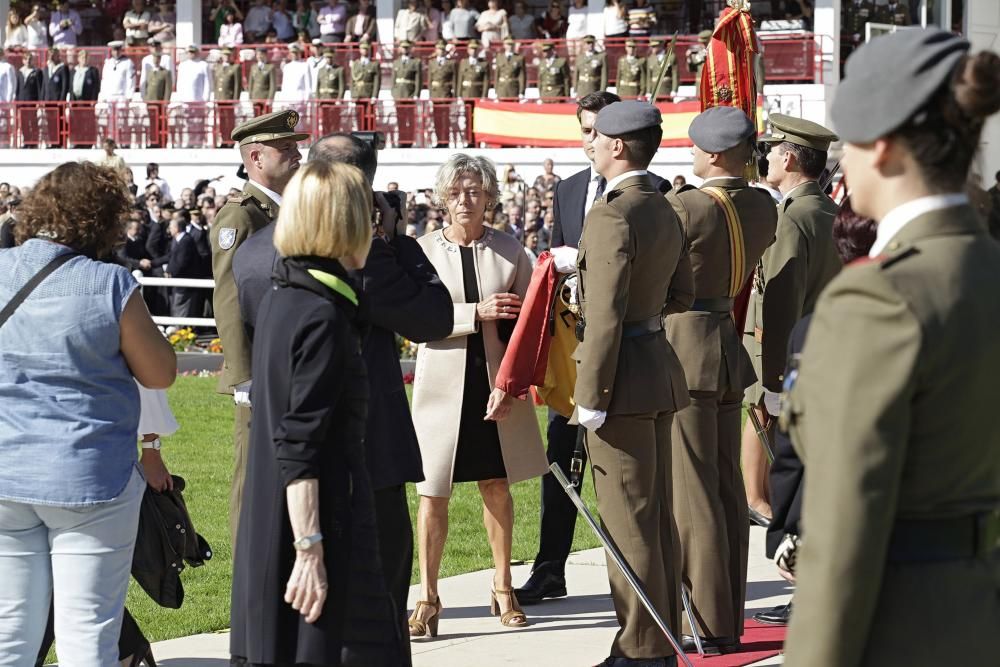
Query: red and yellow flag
[[727, 77]]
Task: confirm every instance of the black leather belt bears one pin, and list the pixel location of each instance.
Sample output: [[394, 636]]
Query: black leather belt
[[930, 540], [642, 327], [719, 304]]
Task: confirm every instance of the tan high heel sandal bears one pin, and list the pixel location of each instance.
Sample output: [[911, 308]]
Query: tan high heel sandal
[[425, 627], [513, 617]]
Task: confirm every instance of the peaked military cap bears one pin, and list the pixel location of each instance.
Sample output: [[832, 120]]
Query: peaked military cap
[[889, 79], [798, 131], [441, 43], [192, 48], [294, 46], [364, 46], [718, 129], [653, 43], [117, 44], [317, 42], [329, 52], [547, 46], [269, 127], [589, 39], [227, 51], [704, 35], [508, 40], [261, 49], [473, 44], [620, 118], [629, 42], [405, 44]]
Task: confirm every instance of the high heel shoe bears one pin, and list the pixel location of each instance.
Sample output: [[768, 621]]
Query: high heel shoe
[[428, 627], [143, 656], [513, 617]]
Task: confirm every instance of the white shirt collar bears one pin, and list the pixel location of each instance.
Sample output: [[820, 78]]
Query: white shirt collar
[[621, 177], [272, 195], [594, 176], [899, 217]]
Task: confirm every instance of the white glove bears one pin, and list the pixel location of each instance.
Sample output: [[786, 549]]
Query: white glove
[[241, 394], [565, 258], [772, 403], [574, 297], [590, 419]]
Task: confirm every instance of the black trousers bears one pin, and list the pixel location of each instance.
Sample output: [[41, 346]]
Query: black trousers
[[558, 511], [130, 640], [395, 543]]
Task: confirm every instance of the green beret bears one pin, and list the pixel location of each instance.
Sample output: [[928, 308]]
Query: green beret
[[798, 131], [269, 127]]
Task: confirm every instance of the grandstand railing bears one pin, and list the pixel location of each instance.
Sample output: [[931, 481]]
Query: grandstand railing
[[166, 321]]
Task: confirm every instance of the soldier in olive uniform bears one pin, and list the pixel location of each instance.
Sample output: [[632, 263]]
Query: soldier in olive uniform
[[697, 53], [407, 76], [655, 62], [902, 456], [591, 70], [631, 81], [156, 93], [269, 148], [329, 92], [728, 225], [441, 87], [509, 73], [633, 268], [228, 79], [263, 78], [857, 14], [893, 13], [473, 84], [366, 81], [553, 75]]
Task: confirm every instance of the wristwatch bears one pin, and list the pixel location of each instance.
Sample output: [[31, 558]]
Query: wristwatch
[[304, 543], [152, 444]]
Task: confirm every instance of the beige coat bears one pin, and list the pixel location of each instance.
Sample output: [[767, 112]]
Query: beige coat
[[502, 266]]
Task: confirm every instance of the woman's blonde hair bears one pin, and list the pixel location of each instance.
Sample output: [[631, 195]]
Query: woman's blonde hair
[[326, 211], [461, 164]]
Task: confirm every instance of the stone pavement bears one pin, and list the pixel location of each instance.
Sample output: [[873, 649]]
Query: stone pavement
[[574, 632]]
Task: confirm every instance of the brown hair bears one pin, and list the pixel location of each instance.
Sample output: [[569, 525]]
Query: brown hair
[[853, 234], [944, 136], [78, 204]]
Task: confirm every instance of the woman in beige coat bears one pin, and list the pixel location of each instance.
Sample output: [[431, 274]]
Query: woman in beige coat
[[487, 273]]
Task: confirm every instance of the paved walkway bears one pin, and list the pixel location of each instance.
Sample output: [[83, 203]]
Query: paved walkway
[[572, 632]]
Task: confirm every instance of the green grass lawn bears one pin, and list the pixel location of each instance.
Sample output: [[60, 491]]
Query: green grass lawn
[[201, 453]]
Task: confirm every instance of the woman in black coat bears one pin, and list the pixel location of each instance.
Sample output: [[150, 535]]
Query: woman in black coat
[[307, 580]]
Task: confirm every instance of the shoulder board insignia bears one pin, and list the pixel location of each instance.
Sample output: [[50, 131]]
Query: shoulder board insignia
[[238, 199], [611, 196], [227, 237]]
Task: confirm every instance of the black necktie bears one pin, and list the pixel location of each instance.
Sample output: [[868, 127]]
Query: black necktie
[[601, 184]]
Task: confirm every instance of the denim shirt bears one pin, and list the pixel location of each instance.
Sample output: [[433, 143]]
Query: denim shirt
[[69, 406]]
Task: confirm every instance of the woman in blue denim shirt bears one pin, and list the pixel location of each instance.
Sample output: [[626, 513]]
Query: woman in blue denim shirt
[[70, 487]]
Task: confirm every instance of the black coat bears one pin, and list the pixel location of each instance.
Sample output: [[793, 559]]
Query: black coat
[[158, 243], [203, 244], [310, 396], [787, 469], [569, 201], [253, 265], [7, 233], [31, 87], [183, 259], [130, 252], [57, 87], [91, 85]]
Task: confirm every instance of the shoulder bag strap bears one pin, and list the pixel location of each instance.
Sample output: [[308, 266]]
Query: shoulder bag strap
[[30, 286], [737, 252]]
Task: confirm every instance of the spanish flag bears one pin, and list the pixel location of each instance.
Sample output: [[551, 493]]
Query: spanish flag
[[727, 77]]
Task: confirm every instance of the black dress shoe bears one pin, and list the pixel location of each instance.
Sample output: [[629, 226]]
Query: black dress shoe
[[758, 518], [543, 583], [711, 646], [776, 616]]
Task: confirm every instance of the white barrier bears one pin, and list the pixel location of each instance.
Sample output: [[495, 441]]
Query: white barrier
[[203, 283]]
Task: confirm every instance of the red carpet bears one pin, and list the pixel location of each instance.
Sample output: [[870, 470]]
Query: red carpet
[[759, 641]]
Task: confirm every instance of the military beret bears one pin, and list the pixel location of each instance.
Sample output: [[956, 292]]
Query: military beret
[[889, 79], [620, 118], [269, 127], [718, 129], [117, 44], [629, 42], [653, 43], [704, 35], [193, 48], [589, 39], [798, 131]]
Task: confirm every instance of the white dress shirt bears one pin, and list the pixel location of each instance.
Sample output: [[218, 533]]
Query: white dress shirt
[[621, 177], [902, 215], [595, 178]]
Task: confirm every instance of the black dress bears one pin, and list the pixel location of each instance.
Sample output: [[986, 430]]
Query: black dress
[[310, 399], [478, 455]]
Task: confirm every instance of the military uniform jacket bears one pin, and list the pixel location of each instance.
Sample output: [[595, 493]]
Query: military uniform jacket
[[441, 78], [366, 79], [238, 219], [159, 85], [857, 15], [671, 79], [228, 81], [632, 265], [553, 78], [796, 268], [707, 343], [406, 78], [509, 75], [473, 79], [591, 73], [262, 82], [631, 81], [897, 15], [888, 409], [330, 82]]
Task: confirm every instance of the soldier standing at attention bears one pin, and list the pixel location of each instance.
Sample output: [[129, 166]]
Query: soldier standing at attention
[[156, 93], [263, 78], [697, 53], [407, 77], [228, 86], [329, 92], [591, 70], [509, 73], [553, 75], [903, 510], [633, 269], [270, 152], [441, 87], [366, 81], [857, 14], [893, 13], [473, 84], [654, 63], [728, 225], [631, 80]]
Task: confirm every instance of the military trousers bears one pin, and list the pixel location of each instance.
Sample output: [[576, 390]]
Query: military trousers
[[406, 122], [710, 510], [241, 449], [630, 459]]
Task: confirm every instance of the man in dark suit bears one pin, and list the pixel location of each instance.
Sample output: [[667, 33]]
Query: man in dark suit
[[401, 293], [85, 79], [198, 230], [56, 85], [571, 201], [30, 88], [183, 262], [132, 253]]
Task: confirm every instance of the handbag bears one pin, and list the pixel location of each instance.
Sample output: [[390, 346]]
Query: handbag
[[30, 286]]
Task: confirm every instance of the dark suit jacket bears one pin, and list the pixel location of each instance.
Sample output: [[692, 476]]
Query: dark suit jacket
[[131, 252], [569, 203], [158, 243], [204, 246], [56, 87], [183, 261], [253, 265], [7, 233], [30, 87], [91, 84]]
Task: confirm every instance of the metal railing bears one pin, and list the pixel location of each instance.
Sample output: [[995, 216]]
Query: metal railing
[[166, 321]]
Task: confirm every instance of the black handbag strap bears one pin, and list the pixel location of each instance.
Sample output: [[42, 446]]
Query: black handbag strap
[[30, 286]]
